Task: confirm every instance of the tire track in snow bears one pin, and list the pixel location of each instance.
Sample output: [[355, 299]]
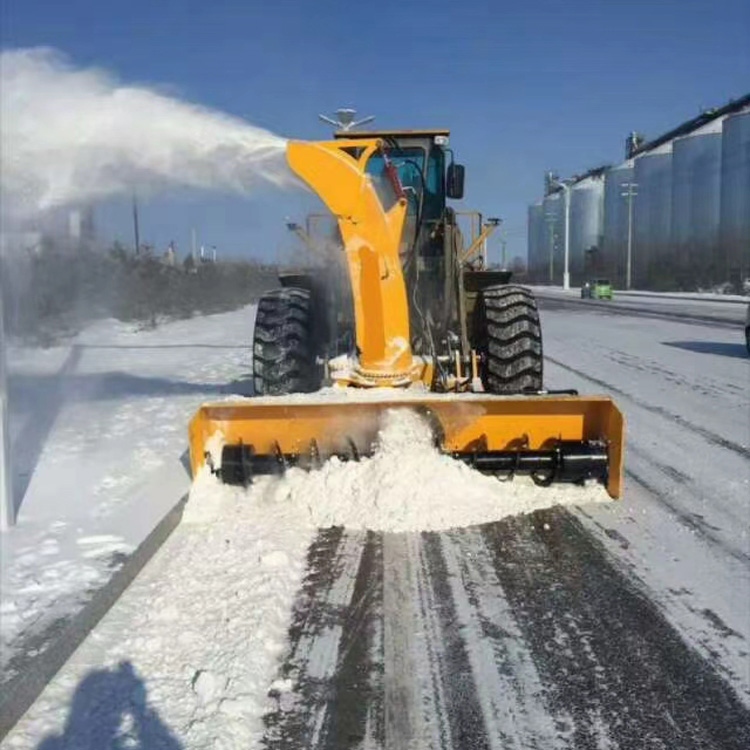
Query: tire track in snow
[[464, 710], [606, 654], [402, 698], [509, 689], [519, 634], [661, 493], [551, 302], [690, 520], [315, 641], [354, 718], [705, 433]]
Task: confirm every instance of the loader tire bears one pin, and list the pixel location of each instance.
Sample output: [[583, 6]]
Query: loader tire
[[508, 337], [284, 344]]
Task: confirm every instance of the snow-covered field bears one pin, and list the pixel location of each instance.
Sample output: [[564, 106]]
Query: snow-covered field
[[98, 433], [189, 654]]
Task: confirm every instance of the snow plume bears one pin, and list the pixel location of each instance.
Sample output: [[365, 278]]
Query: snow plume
[[74, 135], [407, 485]]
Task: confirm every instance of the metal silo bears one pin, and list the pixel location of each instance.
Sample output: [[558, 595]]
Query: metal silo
[[734, 255], [652, 218], [615, 241], [536, 238], [691, 259], [554, 236], [586, 216]]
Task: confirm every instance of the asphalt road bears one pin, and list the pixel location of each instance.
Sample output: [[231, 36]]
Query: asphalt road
[[617, 626]]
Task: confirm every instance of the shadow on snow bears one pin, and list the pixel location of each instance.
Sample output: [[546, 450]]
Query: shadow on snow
[[42, 397], [110, 711], [721, 348]]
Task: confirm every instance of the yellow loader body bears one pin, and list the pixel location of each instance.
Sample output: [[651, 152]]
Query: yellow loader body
[[552, 437]]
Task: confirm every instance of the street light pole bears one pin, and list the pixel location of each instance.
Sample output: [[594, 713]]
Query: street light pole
[[566, 270], [550, 218]]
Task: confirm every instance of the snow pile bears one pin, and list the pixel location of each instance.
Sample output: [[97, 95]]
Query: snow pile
[[198, 636], [75, 135], [407, 485]]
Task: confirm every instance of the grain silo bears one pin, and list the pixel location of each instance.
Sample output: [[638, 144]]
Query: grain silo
[[692, 257], [586, 213], [652, 216], [618, 191], [734, 234]]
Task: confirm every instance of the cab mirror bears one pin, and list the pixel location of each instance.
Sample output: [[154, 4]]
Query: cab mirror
[[455, 182]]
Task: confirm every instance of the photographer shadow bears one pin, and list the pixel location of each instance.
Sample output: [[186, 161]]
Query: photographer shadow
[[110, 711]]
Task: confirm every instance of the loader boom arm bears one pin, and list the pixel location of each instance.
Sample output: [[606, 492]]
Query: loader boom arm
[[371, 231]]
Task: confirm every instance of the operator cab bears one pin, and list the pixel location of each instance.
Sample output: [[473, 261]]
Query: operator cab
[[420, 159], [428, 175]]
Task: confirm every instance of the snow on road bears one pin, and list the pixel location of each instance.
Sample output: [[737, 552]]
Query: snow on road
[[98, 433], [684, 526]]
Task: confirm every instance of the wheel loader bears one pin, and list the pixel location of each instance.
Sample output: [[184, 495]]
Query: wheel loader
[[419, 323]]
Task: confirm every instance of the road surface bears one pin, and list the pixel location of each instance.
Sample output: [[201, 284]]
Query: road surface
[[624, 625], [618, 627]]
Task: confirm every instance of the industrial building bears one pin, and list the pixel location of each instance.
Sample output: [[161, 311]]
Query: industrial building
[[674, 215]]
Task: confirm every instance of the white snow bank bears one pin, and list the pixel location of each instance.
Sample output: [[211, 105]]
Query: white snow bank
[[198, 634]]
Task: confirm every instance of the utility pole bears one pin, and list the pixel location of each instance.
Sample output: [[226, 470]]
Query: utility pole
[[194, 244], [566, 262], [555, 182], [629, 194], [136, 231], [550, 218]]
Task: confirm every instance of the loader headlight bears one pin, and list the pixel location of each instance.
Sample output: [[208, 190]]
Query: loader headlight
[[441, 140]]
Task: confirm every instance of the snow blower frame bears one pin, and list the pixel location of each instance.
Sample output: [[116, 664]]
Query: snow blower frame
[[432, 332]]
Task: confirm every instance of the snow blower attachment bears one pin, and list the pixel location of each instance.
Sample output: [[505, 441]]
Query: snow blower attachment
[[420, 321]]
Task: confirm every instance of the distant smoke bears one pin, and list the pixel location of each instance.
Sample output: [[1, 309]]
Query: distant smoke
[[72, 136]]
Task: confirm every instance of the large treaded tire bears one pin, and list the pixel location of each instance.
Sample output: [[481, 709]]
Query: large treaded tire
[[284, 344], [508, 336]]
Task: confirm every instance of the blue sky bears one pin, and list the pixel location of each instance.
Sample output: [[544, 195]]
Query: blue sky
[[524, 86]]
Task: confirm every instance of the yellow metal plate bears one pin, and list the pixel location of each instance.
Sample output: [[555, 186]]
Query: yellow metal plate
[[462, 423]]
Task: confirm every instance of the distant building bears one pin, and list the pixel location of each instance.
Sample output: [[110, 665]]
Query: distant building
[[683, 198]]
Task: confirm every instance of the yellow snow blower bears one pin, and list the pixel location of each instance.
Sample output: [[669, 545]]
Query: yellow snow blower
[[419, 322]]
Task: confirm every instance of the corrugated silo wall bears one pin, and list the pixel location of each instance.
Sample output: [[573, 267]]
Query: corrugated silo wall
[[734, 253], [535, 234], [586, 216], [692, 258], [652, 219], [615, 242]]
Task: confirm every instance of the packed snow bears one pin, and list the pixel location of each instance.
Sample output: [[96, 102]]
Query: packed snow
[[409, 486], [98, 429], [683, 528], [187, 655]]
